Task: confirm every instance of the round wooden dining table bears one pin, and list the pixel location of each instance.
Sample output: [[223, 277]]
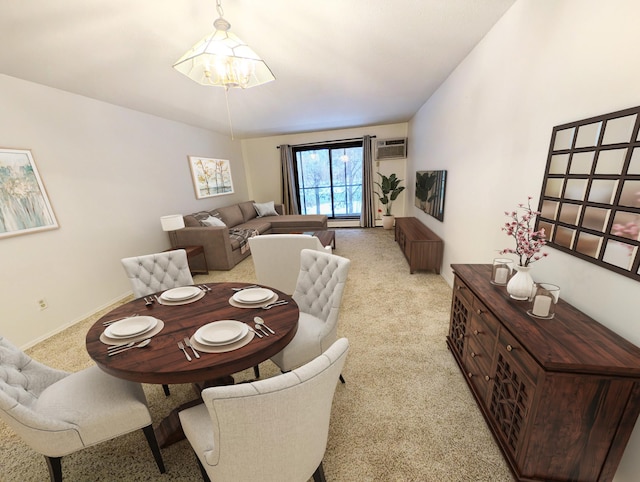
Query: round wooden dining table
[[163, 362]]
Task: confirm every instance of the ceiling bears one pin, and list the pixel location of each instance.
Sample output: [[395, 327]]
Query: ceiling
[[337, 63]]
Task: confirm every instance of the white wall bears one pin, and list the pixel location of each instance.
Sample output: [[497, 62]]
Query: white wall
[[110, 174], [262, 159], [545, 63]]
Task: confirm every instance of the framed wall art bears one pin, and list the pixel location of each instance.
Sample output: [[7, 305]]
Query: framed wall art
[[430, 187], [211, 177], [590, 200], [24, 205]]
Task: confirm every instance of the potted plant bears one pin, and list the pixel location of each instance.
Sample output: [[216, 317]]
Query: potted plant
[[390, 188]]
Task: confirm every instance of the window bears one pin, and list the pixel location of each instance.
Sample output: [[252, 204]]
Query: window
[[330, 179]]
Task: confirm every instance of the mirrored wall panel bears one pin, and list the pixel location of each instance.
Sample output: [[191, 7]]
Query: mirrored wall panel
[[590, 200]]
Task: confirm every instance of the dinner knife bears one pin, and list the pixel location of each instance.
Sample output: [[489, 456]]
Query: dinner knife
[[188, 343]]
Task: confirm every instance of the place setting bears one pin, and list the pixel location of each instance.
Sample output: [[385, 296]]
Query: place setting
[[181, 296], [255, 297], [222, 336], [131, 332]]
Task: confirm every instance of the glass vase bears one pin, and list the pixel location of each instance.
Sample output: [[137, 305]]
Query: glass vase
[[520, 285]]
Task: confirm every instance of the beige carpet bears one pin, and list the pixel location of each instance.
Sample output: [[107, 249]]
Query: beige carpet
[[405, 413]]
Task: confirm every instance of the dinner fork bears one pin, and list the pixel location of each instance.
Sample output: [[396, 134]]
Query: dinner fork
[[181, 346]]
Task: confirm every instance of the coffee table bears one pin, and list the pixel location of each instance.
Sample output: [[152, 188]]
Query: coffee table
[[326, 237]]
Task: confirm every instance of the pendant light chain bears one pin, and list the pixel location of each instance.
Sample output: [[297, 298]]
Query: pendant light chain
[[226, 98]]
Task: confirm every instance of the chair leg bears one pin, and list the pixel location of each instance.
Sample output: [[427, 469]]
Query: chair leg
[[166, 390], [153, 445], [318, 475], [342, 378], [256, 371], [54, 464], [203, 472]]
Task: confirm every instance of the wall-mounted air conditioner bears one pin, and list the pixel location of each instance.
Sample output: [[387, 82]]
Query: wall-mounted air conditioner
[[391, 149]]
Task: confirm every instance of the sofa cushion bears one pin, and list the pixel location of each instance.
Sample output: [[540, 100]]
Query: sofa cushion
[[248, 212], [259, 224], [298, 222], [265, 209], [231, 215], [213, 221]]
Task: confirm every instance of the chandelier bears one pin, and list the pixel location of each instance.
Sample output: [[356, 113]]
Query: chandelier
[[224, 60]]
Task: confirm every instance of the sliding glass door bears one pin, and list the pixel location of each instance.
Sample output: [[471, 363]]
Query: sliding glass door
[[330, 179]]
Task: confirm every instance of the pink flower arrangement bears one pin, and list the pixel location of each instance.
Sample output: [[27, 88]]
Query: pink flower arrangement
[[528, 242]]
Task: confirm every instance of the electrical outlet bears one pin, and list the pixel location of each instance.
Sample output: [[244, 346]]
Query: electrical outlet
[[42, 304]]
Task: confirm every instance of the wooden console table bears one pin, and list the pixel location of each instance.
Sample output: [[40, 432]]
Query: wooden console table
[[561, 396], [422, 248]]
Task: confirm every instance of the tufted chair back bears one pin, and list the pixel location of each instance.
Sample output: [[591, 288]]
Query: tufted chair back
[[157, 272], [283, 419], [22, 380], [57, 413], [276, 258], [318, 293], [320, 285]]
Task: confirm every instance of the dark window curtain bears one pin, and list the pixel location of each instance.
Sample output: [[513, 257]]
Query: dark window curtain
[[289, 181], [368, 214]]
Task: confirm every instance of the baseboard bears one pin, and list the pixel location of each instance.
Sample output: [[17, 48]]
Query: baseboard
[[75, 321]]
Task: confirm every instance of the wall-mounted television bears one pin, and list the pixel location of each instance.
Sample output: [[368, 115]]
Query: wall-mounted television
[[430, 186]]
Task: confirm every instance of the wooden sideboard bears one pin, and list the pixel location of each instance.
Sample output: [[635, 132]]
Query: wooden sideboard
[[422, 248], [561, 396]]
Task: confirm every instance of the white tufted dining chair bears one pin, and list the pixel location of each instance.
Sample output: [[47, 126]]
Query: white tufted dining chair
[[319, 289], [270, 430], [57, 413], [276, 258], [151, 273]]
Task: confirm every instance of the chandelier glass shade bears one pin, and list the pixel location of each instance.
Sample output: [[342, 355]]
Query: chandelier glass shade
[[222, 59]]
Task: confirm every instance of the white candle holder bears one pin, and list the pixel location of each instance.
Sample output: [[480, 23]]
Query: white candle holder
[[543, 300], [501, 271]]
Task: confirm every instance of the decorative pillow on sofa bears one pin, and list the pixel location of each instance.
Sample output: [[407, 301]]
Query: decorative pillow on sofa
[[212, 221], [265, 209]]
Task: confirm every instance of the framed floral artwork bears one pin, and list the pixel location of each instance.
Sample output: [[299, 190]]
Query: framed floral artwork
[[24, 205], [211, 177]]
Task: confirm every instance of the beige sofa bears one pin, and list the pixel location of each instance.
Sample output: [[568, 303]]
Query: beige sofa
[[225, 246]]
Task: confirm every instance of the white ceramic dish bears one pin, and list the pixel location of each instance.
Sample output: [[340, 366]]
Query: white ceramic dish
[[222, 332], [253, 295], [201, 347], [181, 294], [129, 327]]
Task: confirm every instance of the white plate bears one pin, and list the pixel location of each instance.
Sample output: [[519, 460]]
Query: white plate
[[237, 304], [221, 332], [181, 294], [253, 295], [245, 340], [136, 325]]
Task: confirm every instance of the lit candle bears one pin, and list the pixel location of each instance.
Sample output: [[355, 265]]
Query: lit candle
[[541, 305], [501, 275]]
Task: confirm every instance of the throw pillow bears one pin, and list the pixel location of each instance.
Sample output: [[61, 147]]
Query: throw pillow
[[265, 209], [212, 221]]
